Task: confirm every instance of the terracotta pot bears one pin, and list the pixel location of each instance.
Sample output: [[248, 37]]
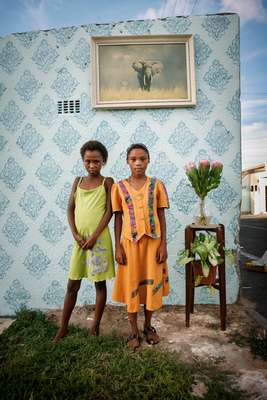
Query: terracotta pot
[[210, 279]]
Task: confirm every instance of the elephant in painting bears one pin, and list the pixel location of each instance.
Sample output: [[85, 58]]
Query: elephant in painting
[[145, 72]]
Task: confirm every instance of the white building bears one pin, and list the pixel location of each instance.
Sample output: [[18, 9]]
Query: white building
[[254, 189]]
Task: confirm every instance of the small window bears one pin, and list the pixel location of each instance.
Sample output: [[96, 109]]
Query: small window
[[251, 188], [256, 188], [68, 107]]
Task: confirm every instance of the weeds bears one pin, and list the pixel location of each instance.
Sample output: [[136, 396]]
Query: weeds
[[258, 343], [255, 339]]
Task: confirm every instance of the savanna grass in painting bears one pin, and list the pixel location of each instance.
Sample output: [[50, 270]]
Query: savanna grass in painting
[[122, 94]]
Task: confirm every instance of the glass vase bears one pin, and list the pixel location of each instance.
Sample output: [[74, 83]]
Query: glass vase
[[201, 217]]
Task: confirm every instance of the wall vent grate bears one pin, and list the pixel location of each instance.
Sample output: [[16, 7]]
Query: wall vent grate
[[68, 106]]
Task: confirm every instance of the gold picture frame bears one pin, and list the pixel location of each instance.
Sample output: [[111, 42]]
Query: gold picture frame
[[143, 71]]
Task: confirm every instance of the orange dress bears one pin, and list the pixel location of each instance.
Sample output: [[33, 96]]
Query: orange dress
[[142, 280]]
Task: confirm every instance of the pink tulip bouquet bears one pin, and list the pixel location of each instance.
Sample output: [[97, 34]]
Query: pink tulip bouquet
[[204, 177]]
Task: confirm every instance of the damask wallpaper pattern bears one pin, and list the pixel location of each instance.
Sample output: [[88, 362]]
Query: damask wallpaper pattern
[[39, 149]]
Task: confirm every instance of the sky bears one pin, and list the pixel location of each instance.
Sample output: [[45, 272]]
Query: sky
[[27, 15]]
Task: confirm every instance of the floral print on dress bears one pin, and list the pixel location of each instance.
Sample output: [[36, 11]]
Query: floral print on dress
[[96, 259]]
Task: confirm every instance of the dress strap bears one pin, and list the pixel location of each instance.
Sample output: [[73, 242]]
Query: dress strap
[[103, 183], [78, 181]]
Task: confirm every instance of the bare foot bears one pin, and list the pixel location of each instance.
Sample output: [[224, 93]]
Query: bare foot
[[60, 335], [94, 330]]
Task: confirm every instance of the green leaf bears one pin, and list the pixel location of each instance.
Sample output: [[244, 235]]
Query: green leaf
[[185, 260], [213, 260], [198, 279], [206, 269], [202, 237]]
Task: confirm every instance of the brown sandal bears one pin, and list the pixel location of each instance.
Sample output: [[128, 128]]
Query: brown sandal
[[133, 342], [151, 335]]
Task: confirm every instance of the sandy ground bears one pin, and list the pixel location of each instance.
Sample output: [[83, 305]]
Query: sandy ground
[[203, 340]]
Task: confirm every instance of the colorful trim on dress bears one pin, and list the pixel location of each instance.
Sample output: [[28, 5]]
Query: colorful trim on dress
[[150, 204], [159, 285], [156, 289], [130, 206], [142, 283]]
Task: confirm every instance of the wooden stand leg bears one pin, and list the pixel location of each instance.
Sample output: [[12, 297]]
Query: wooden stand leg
[[222, 296], [222, 286], [188, 304], [192, 293]]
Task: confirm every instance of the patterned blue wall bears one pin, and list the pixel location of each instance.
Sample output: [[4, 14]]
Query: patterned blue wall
[[40, 149]]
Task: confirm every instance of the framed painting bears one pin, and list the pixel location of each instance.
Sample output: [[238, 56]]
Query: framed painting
[[143, 71]]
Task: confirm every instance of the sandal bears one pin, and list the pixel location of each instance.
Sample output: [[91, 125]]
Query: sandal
[[133, 342], [151, 335]]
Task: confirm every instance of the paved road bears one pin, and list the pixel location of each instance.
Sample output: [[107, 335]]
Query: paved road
[[253, 235], [253, 240]]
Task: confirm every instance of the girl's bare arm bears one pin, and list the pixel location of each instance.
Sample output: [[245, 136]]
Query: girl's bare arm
[[70, 214], [120, 255], [162, 249]]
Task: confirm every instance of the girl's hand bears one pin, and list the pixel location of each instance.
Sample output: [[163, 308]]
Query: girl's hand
[[79, 239], [89, 243], [120, 255], [162, 254]]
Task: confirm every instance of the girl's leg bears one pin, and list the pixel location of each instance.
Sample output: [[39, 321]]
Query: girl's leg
[[132, 317], [134, 339], [100, 302], [150, 332], [69, 303], [148, 316]]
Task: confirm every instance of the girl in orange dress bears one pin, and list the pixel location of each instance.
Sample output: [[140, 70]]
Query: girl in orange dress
[[140, 242]]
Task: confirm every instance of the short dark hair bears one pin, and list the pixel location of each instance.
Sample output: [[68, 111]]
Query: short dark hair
[[137, 146], [93, 145]]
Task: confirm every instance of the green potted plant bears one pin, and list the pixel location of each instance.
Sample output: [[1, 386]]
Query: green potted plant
[[205, 255]]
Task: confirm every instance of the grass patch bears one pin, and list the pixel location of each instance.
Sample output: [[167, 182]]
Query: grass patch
[[255, 339], [85, 367]]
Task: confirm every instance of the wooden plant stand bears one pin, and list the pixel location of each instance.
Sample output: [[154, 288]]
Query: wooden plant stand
[[190, 233]]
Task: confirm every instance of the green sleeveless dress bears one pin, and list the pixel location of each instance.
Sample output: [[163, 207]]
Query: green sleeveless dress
[[96, 264]]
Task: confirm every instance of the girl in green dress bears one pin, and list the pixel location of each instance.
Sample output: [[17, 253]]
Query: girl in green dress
[[89, 212]]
